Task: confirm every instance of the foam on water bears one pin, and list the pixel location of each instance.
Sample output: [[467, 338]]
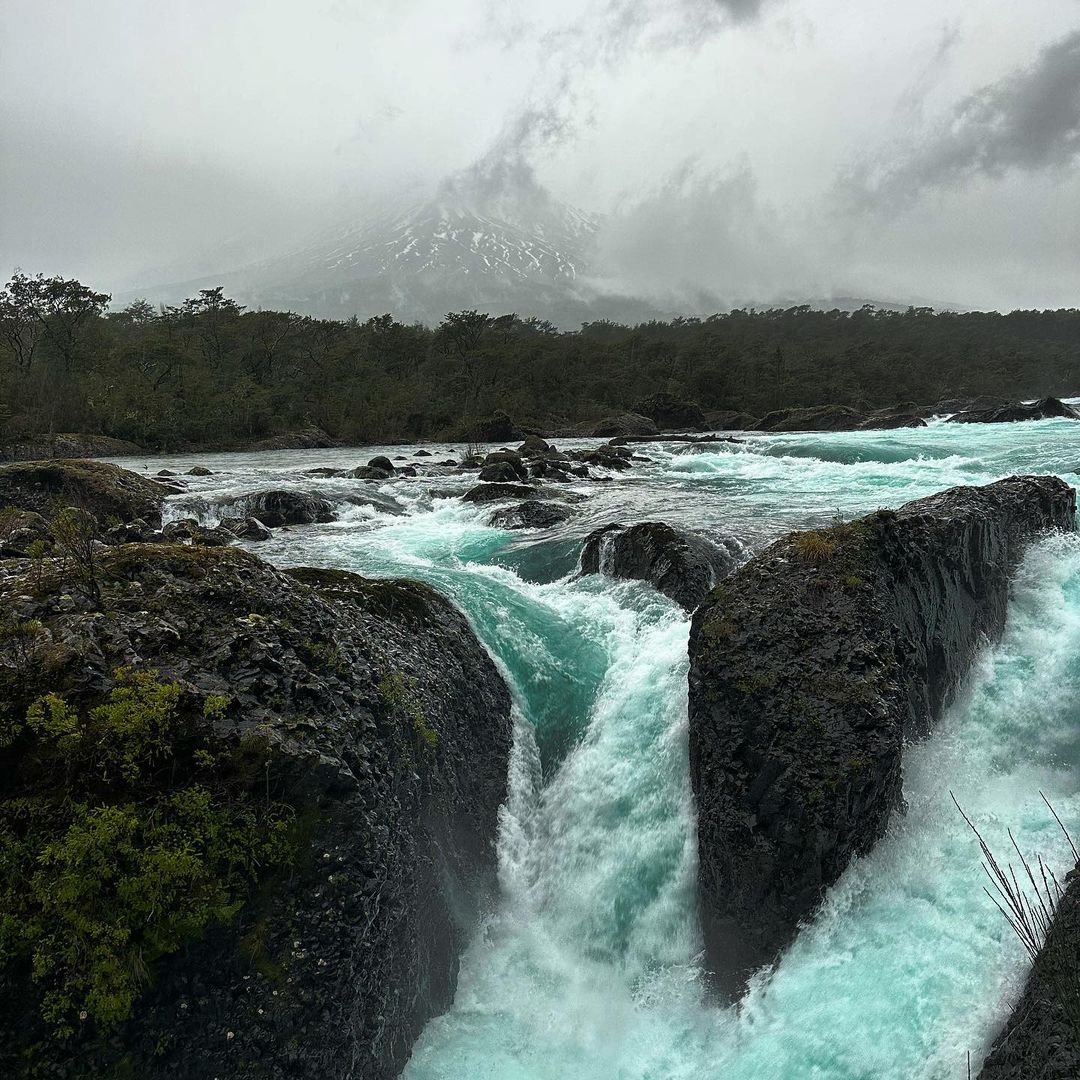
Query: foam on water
[[589, 969]]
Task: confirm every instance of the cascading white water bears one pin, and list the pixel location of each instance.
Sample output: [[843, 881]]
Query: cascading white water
[[589, 967]]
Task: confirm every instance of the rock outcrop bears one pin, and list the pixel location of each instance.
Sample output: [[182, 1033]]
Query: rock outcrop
[[810, 667], [683, 566], [309, 438], [1044, 409], [368, 708], [68, 445], [103, 490], [1041, 1040], [670, 413]]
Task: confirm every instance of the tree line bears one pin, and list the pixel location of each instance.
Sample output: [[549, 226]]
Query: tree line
[[208, 372]]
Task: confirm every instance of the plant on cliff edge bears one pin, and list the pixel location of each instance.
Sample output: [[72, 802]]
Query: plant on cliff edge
[[121, 838]]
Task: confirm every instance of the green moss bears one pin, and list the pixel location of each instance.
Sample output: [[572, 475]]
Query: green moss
[[325, 655], [399, 695], [113, 854], [752, 684]]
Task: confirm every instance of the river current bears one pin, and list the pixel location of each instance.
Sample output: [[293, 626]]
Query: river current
[[589, 967]]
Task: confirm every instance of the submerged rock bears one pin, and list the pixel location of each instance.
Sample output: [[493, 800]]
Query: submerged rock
[[367, 707], [809, 669], [683, 566], [1043, 409], [103, 490], [1041, 1040]]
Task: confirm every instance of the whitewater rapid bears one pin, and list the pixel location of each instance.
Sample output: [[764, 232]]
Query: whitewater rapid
[[589, 966]]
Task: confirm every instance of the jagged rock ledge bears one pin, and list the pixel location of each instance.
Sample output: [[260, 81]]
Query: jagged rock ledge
[[371, 709], [1041, 1040], [809, 668]]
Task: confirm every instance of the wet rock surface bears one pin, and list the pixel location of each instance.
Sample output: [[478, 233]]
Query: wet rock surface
[[380, 719], [282, 506], [810, 667], [683, 566], [1041, 1040], [531, 514]]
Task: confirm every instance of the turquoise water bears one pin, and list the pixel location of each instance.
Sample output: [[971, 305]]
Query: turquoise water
[[588, 968]]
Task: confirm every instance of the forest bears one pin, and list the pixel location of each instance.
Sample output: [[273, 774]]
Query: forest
[[208, 373]]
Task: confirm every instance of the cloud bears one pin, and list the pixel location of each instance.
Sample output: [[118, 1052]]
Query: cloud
[[1028, 121], [702, 241]]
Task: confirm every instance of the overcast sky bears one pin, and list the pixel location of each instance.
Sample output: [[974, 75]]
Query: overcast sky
[[921, 149]]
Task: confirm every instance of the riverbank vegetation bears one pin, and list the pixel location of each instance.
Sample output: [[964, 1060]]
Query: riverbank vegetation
[[209, 373]]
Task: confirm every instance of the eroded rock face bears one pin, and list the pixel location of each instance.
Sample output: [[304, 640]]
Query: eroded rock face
[[103, 490], [382, 721], [1041, 1041], [810, 666], [681, 565]]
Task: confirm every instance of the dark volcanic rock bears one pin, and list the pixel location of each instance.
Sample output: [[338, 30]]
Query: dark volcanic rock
[[188, 531], [369, 472], [246, 528], [670, 413], [818, 418], [1041, 410], [496, 492], [501, 472], [683, 566], [199, 470], [103, 490], [378, 716], [283, 507], [899, 416], [497, 428], [1041, 1041], [729, 420], [531, 514], [380, 461], [19, 529], [533, 446], [810, 667]]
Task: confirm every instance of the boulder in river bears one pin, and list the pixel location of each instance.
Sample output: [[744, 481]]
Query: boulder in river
[[246, 528], [1043, 409], [496, 492], [357, 724], [370, 472], [308, 438], [531, 514], [381, 461], [282, 506], [683, 566], [496, 428], [810, 667]]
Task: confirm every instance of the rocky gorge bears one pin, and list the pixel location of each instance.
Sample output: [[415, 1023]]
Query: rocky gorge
[[444, 873]]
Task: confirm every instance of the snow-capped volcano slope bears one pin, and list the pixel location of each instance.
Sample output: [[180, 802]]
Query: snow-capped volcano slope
[[511, 249]]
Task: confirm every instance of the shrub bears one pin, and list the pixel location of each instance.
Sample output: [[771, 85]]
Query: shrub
[[113, 855]]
